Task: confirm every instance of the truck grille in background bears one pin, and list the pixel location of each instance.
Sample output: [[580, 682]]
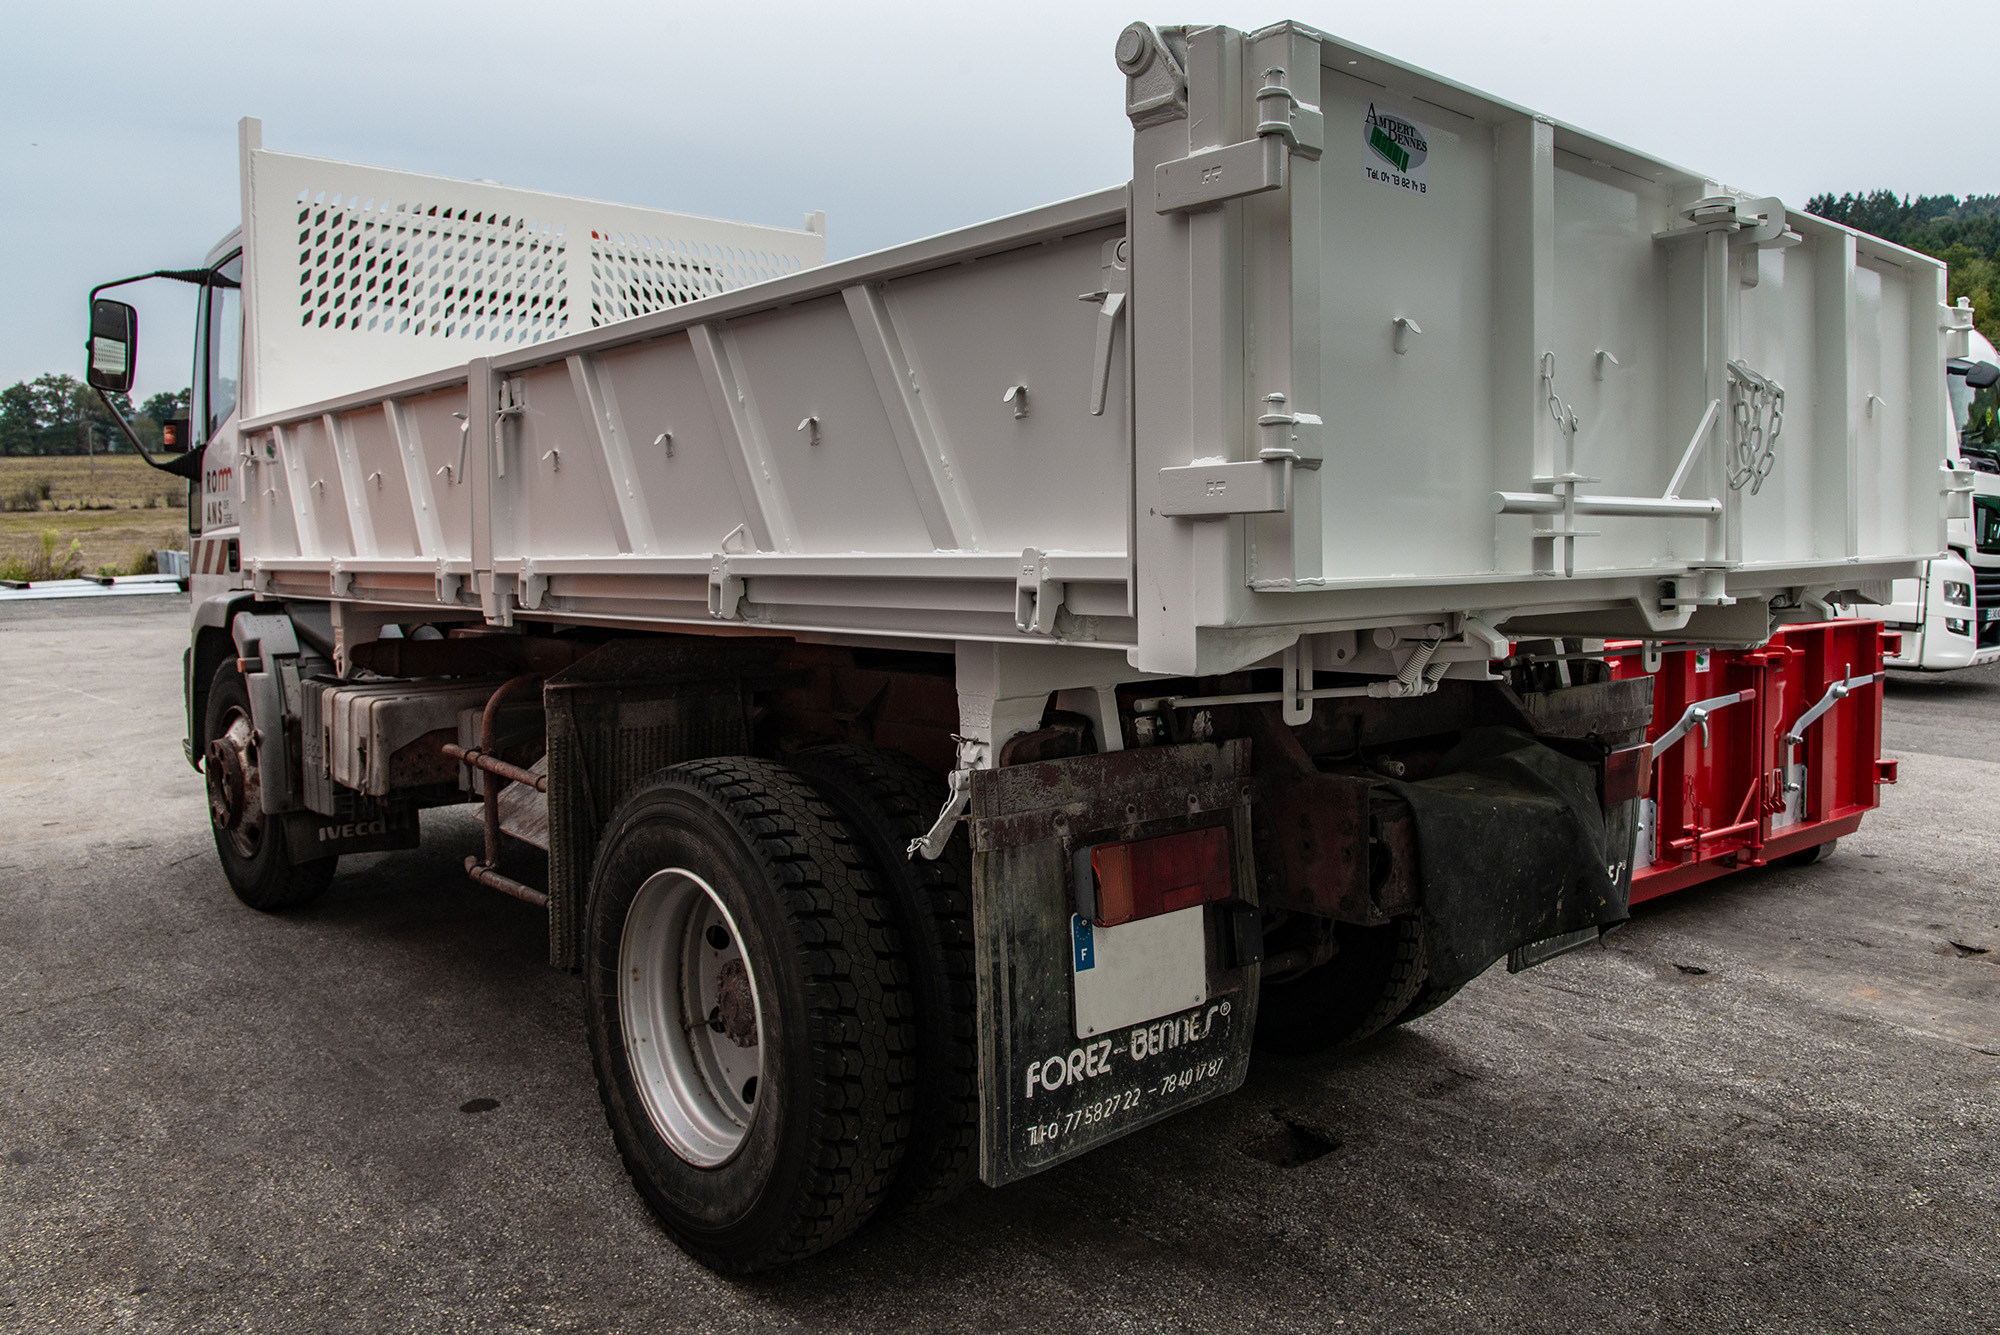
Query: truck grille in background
[[1986, 604]]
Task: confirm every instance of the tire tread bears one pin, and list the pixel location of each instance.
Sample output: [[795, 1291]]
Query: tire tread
[[889, 798], [862, 1081]]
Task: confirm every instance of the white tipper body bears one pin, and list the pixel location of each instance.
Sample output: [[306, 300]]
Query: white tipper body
[[1372, 358]]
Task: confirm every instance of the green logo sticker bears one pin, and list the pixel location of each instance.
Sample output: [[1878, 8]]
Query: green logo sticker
[[1391, 152], [1398, 150]]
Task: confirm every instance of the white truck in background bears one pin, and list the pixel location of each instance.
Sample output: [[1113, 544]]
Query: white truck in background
[[949, 702], [1949, 615]]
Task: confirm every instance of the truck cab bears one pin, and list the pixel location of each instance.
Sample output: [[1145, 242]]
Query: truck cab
[[1950, 617], [212, 404]]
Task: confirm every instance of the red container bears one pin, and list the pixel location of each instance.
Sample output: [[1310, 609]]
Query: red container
[[1734, 793]]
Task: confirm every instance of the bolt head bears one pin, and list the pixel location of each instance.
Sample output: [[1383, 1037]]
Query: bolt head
[[1135, 49]]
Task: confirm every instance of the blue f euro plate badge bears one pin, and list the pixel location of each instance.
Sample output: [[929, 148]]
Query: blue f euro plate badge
[[1080, 935]]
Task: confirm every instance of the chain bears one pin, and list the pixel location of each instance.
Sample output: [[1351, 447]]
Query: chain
[[1564, 529], [1564, 415], [1757, 409]]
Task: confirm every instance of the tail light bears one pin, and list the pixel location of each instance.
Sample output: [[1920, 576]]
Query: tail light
[[1143, 878], [1628, 773]]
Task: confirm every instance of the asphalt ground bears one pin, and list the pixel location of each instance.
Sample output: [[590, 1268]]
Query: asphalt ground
[[1768, 1104]]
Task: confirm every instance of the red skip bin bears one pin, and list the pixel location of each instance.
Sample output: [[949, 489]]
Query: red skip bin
[[1143, 878]]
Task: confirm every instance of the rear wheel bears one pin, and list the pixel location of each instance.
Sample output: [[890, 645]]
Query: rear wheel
[[249, 841], [1367, 985], [1806, 857], [888, 799], [748, 1013], [1428, 999]]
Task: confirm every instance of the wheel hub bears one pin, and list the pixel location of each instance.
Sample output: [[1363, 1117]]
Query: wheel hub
[[692, 1020], [235, 796], [735, 1016]]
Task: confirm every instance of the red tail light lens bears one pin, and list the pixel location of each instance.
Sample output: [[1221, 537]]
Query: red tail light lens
[[1143, 878]]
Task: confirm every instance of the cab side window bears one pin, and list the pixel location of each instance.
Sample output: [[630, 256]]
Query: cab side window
[[219, 349]]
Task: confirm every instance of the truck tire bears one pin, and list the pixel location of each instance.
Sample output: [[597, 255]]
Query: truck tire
[[887, 800], [249, 842], [748, 1012], [1807, 857], [1362, 990], [1428, 999]]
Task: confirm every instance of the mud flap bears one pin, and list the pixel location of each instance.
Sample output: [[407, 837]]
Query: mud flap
[[365, 828], [1514, 850], [1047, 1094]]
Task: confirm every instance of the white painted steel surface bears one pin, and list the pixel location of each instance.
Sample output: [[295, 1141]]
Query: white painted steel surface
[[1426, 297], [363, 275]]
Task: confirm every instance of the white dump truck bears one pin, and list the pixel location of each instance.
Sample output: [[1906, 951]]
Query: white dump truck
[[1949, 615], [951, 703]]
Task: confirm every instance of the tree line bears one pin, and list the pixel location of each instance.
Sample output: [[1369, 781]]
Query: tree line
[[1964, 233], [58, 414]]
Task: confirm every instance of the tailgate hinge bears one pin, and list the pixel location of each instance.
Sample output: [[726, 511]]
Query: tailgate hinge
[[1217, 488], [1206, 179]]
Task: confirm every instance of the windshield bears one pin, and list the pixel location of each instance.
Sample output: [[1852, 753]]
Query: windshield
[[1986, 526], [222, 347], [1977, 412]]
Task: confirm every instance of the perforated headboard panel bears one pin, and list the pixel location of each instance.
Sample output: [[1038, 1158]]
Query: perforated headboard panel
[[360, 276]]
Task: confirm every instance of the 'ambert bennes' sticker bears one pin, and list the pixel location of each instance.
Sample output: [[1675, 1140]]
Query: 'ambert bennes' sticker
[[1395, 150]]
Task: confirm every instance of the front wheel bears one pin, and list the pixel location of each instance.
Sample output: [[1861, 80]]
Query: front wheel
[[249, 842], [749, 1014]]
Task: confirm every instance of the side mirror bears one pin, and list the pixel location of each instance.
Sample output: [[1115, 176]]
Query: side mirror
[[114, 346], [1982, 375]]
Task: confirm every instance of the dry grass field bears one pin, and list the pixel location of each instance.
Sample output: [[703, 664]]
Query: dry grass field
[[107, 515]]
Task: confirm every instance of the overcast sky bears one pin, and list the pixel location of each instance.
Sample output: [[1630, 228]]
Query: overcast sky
[[118, 147]]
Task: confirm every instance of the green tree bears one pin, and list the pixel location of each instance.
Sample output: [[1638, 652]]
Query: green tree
[[165, 407], [153, 416], [1964, 233], [19, 427], [52, 414]]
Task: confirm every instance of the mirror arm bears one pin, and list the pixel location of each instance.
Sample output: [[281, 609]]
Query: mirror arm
[[187, 466], [199, 277]]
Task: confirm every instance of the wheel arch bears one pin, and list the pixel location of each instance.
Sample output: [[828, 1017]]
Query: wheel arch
[[209, 644]]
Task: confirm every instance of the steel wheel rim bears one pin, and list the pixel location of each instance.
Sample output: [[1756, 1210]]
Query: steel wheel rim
[[696, 1074], [244, 826]]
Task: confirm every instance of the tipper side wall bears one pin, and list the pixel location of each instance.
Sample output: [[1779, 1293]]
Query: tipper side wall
[[1462, 389]]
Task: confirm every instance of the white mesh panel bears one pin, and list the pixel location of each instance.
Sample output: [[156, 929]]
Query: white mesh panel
[[633, 275], [407, 267], [361, 276]]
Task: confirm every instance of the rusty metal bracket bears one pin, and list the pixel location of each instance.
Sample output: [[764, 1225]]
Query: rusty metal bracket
[[1122, 791], [1333, 846]]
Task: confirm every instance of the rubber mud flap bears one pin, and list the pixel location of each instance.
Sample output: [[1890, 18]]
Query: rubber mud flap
[[1513, 849], [376, 829], [1047, 1091]]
